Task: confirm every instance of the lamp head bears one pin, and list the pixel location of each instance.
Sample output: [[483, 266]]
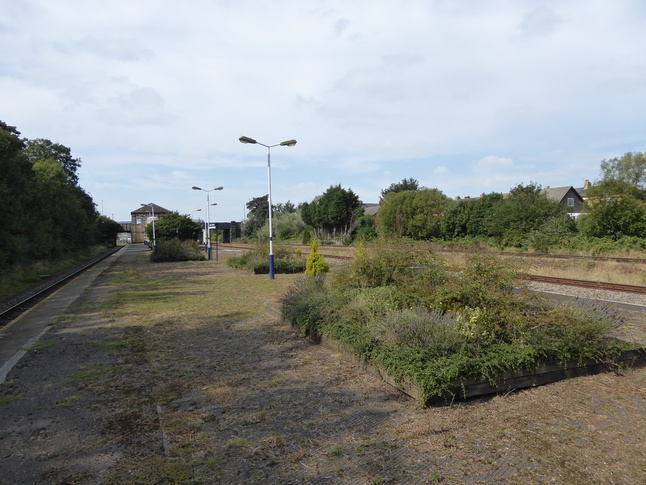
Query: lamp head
[[218, 188], [288, 143], [196, 188], [246, 139]]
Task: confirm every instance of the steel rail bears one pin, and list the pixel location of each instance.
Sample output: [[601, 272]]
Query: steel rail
[[26, 301]]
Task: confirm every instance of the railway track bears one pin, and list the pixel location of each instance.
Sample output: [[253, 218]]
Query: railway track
[[13, 308], [597, 285]]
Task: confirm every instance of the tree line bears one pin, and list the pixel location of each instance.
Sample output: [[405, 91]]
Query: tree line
[[614, 209], [46, 215]]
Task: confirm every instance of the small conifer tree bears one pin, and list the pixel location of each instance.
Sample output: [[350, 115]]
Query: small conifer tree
[[315, 264]]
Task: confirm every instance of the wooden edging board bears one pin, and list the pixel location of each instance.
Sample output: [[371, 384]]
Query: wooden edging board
[[509, 381]]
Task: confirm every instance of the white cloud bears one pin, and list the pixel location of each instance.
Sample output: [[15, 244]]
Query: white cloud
[[492, 162], [153, 94]]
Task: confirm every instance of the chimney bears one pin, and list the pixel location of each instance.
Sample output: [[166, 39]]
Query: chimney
[[587, 184]]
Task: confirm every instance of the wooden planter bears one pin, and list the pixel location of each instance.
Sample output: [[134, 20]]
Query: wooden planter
[[465, 389]]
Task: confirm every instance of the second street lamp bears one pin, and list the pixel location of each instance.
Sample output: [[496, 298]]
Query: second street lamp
[[208, 217], [288, 143]]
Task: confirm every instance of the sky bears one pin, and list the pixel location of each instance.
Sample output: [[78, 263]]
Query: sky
[[467, 97]]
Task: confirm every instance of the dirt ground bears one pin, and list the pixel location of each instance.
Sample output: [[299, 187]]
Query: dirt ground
[[176, 394]]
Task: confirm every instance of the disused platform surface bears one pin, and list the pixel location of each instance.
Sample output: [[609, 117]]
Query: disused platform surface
[[229, 396]]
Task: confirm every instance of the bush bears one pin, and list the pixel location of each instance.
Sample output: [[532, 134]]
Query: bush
[[257, 260], [176, 250], [432, 328], [305, 305], [315, 264]]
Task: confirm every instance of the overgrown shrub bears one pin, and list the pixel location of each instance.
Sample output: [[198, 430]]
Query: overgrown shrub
[[257, 260], [176, 250], [305, 305], [433, 328]]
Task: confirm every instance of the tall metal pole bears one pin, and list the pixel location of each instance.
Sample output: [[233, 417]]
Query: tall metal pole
[[288, 143], [208, 223], [271, 237], [154, 239]]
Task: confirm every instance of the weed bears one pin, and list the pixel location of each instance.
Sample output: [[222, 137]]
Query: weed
[[41, 345], [117, 344], [238, 442], [335, 451], [90, 373], [8, 398]]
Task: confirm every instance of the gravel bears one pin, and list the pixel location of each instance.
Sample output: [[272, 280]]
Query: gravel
[[600, 295]]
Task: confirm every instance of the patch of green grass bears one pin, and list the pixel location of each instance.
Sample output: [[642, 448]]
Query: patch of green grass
[[117, 344], [335, 451], [91, 372], [238, 442], [8, 398], [41, 345]]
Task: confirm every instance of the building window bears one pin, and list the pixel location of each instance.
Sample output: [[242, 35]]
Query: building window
[[570, 202]]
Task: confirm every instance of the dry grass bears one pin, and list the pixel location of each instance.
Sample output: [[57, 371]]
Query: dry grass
[[214, 388]]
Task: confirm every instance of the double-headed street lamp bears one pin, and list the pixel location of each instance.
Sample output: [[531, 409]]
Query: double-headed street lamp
[[152, 207], [208, 216], [288, 143]]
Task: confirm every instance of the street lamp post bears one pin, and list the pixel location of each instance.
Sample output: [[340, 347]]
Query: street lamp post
[[152, 207], [208, 216], [288, 143]]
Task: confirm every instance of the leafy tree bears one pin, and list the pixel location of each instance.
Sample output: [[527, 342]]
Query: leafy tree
[[630, 168], [616, 205], [455, 220], [40, 149], [416, 214], [172, 225], [67, 225], [468, 217], [405, 184], [286, 208], [480, 213], [366, 229], [613, 208], [525, 209], [14, 180], [107, 230], [285, 225], [258, 214], [333, 215]]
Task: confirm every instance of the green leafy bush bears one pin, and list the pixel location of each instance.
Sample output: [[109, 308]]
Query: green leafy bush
[[434, 328], [315, 264], [176, 250], [257, 260]]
